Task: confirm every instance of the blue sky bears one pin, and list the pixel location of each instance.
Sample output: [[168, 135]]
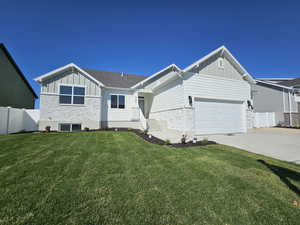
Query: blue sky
[[142, 37]]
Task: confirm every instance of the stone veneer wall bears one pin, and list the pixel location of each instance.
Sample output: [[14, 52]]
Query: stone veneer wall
[[181, 119], [52, 113], [295, 119]]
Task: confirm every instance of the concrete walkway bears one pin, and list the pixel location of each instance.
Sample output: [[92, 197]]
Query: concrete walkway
[[279, 143]]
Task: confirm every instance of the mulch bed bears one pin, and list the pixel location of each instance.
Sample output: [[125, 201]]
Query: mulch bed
[[155, 140], [140, 133]]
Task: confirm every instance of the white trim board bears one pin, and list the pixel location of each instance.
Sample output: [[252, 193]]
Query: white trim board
[[156, 74], [63, 68]]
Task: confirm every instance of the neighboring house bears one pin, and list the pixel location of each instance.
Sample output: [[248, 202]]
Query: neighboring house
[[295, 84], [274, 97], [15, 91], [211, 96]]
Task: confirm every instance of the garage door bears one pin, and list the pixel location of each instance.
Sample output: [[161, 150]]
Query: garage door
[[218, 116]]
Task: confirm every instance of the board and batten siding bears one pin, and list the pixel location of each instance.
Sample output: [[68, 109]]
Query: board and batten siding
[[213, 87], [168, 97], [51, 85]]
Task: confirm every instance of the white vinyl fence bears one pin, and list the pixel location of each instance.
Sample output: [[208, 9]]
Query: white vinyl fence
[[14, 120], [264, 119]]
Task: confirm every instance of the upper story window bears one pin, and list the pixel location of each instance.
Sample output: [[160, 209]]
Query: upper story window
[[71, 95], [221, 63], [117, 101]]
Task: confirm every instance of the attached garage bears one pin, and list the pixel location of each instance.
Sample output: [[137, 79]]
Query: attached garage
[[213, 116]]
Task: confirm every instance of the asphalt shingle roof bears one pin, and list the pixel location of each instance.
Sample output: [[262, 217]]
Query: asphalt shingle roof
[[115, 79], [290, 83]]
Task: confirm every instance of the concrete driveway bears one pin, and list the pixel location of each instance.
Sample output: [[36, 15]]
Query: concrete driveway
[[279, 143]]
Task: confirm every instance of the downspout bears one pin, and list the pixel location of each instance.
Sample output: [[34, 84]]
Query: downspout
[[283, 97], [290, 105]]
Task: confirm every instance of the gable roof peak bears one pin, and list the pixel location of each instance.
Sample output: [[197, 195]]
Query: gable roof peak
[[222, 49], [64, 68]]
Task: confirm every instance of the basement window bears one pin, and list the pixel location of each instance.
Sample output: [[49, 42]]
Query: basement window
[[69, 127], [117, 101]]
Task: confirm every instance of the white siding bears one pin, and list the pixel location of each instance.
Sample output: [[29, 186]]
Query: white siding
[[167, 105], [71, 77], [210, 67], [168, 97], [213, 87], [112, 114]]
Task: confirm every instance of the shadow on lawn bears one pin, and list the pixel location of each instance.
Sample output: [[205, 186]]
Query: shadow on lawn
[[283, 174]]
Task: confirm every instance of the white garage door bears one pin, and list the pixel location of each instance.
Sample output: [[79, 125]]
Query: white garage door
[[218, 117]]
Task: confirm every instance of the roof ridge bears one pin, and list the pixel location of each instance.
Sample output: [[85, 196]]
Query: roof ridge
[[115, 72]]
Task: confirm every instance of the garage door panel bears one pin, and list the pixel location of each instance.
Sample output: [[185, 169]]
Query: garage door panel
[[218, 117]]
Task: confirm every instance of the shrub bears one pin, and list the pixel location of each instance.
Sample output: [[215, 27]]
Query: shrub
[[129, 128], [167, 142], [183, 139], [48, 128], [86, 129], [205, 141]]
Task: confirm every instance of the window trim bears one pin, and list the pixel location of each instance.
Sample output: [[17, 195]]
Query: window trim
[[72, 95], [118, 105], [71, 124]]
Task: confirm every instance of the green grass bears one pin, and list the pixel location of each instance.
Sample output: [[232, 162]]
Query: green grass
[[118, 178]]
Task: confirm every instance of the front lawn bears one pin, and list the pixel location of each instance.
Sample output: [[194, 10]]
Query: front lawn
[[118, 178]]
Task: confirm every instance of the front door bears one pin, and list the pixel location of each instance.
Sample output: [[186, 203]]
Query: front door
[[142, 104]]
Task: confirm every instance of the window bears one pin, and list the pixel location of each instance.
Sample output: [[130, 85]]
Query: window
[[121, 101], [71, 95], [221, 63], [117, 101], [65, 127], [69, 127], [114, 101], [76, 127]]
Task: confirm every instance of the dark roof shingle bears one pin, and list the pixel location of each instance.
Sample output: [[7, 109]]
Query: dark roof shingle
[[290, 83], [115, 79]]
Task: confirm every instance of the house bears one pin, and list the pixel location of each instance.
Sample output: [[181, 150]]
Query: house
[[278, 98], [295, 84], [211, 96], [15, 91]]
